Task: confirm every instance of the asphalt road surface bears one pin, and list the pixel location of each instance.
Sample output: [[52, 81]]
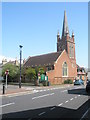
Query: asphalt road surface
[[57, 102]]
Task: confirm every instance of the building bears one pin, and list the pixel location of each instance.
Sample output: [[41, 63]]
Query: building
[[15, 62], [60, 65], [81, 73]]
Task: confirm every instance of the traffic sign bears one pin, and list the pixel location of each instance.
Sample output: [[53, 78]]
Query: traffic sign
[[38, 74], [7, 72]]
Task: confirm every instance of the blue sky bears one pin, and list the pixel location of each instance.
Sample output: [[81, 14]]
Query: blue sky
[[35, 26]]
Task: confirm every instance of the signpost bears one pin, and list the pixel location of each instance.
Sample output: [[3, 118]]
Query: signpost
[[6, 73]]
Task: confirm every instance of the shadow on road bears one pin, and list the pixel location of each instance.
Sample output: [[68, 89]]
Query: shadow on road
[[61, 113], [80, 91]]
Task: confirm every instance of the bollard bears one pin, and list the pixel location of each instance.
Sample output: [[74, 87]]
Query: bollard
[[3, 89]]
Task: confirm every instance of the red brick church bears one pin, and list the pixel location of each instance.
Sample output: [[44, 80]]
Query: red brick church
[[60, 65]]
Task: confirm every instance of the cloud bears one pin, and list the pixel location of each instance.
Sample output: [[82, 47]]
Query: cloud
[[8, 58]]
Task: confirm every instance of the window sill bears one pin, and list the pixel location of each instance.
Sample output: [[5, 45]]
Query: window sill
[[64, 76]]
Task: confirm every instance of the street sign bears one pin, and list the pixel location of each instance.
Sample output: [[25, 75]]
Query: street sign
[[6, 72], [38, 74]]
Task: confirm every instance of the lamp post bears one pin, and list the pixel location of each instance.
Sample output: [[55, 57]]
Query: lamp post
[[20, 64]]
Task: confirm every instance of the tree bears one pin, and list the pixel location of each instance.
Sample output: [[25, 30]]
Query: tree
[[13, 70], [39, 70], [30, 74]]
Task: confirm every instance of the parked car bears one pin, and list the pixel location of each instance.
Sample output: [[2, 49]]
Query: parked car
[[79, 82], [88, 86]]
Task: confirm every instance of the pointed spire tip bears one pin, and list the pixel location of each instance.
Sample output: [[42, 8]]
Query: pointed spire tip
[[65, 25]]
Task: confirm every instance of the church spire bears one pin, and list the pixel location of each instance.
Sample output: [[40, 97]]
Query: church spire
[[65, 25]]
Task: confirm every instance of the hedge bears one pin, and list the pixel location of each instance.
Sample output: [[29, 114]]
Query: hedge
[[68, 81]]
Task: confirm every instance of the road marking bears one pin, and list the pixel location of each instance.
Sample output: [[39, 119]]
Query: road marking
[[51, 89], [66, 101], [54, 88], [78, 95], [44, 90], [35, 91], [42, 96], [40, 90], [52, 108], [7, 104], [41, 113], [64, 91], [85, 114], [71, 99], [75, 96], [60, 104]]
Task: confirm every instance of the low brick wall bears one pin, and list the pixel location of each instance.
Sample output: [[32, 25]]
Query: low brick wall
[[59, 80]]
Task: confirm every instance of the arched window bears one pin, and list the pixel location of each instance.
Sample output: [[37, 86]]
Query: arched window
[[65, 69], [71, 50]]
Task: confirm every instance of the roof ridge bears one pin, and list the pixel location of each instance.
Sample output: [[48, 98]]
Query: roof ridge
[[46, 54]]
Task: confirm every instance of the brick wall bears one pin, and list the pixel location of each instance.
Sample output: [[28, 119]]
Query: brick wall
[[56, 76]]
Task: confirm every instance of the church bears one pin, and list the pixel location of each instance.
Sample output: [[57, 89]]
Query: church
[[60, 65]]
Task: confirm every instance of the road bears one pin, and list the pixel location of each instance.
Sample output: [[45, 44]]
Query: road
[[57, 102]]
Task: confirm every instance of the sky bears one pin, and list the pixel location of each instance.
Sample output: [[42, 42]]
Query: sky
[[35, 26]]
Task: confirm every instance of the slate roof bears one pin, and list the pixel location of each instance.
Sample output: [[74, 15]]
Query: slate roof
[[41, 60]]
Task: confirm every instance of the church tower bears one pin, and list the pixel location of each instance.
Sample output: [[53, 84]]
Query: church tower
[[66, 42]]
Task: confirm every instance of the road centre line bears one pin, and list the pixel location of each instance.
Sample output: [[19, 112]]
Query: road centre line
[[7, 104], [42, 96], [60, 104], [41, 113], [78, 95], [75, 96], [66, 101], [71, 99], [64, 91], [52, 108]]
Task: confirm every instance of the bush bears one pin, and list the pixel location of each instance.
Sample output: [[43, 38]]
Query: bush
[[68, 81]]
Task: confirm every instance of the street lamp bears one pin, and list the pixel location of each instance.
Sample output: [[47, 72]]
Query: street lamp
[[20, 64]]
